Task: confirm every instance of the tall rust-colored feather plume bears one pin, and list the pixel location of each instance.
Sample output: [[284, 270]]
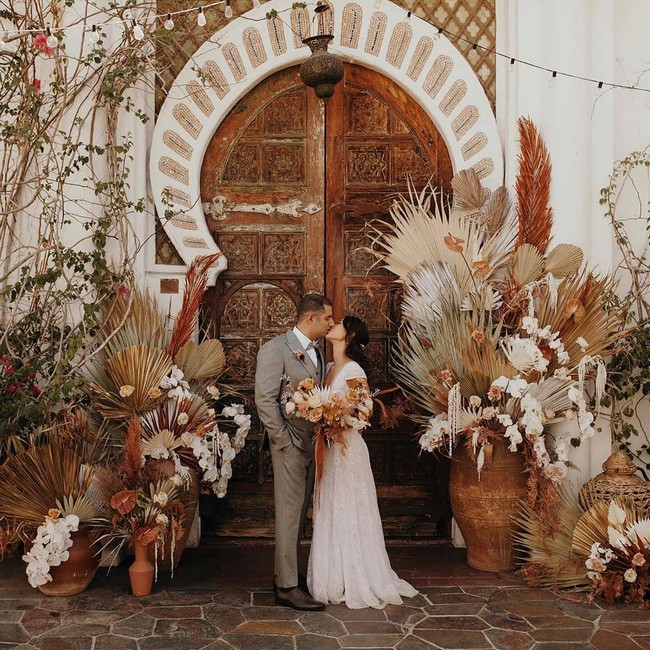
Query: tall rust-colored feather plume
[[196, 280], [533, 188]]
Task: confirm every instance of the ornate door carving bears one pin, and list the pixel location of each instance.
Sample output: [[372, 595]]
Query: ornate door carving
[[290, 191]]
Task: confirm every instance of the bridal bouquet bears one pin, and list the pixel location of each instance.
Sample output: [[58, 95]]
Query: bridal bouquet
[[331, 413]]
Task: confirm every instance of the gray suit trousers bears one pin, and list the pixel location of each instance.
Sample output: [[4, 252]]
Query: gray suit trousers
[[293, 483]]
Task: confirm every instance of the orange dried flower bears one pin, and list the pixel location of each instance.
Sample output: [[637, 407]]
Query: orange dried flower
[[147, 534], [494, 393], [53, 513], [454, 244], [447, 376], [576, 309], [479, 336], [481, 268], [124, 501]]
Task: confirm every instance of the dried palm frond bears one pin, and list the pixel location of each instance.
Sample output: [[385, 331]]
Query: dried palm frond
[[497, 211], [580, 294], [203, 361], [468, 191], [563, 260], [549, 559], [166, 416], [34, 481], [196, 280], [86, 506], [533, 187], [527, 264], [131, 383], [133, 319]]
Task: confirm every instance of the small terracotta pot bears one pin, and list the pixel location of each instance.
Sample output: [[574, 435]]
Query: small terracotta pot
[[75, 574], [141, 571]]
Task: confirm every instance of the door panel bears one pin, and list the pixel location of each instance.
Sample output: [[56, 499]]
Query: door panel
[[293, 192]]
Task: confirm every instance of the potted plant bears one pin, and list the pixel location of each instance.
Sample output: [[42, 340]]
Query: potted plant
[[500, 338]]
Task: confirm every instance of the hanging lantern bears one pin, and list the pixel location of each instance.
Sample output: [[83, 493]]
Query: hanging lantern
[[322, 70]]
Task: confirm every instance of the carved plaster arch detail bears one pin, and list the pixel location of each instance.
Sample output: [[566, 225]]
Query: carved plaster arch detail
[[244, 53]]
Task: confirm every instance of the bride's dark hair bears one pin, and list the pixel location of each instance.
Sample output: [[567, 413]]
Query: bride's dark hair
[[357, 337]]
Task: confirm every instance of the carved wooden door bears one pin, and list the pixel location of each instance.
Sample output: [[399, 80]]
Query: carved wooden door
[[290, 191]]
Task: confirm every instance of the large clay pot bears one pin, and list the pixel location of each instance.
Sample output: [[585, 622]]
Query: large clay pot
[[484, 509], [141, 572], [190, 499], [75, 574]]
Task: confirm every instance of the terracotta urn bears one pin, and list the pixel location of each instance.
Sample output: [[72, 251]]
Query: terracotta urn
[[141, 572], [75, 574], [483, 508]]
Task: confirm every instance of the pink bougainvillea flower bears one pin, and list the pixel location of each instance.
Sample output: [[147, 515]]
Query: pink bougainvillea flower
[[40, 45], [122, 291], [36, 84]]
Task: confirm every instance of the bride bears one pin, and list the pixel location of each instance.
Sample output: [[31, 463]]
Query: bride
[[348, 561]]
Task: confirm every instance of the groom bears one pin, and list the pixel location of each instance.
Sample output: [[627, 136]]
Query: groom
[[291, 357]]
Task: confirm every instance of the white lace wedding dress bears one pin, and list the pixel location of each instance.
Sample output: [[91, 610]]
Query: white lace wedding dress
[[348, 561]]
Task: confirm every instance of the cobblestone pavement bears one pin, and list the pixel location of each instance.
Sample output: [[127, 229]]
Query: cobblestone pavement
[[218, 600]]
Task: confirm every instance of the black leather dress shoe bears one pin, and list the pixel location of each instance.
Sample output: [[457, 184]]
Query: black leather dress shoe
[[297, 598]]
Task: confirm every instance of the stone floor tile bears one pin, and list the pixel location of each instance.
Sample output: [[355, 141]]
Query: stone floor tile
[[455, 609], [191, 627], [370, 641], [417, 601], [12, 615], [135, 626], [643, 641], [77, 629], [255, 642], [77, 617], [403, 615], [316, 642], [223, 616], [499, 618], [218, 645], [628, 627], [98, 602], [455, 599], [529, 609], [509, 639], [322, 623], [173, 612], [563, 645], [69, 643], [36, 621], [632, 614], [587, 611], [484, 592], [271, 613], [568, 635], [278, 628], [452, 623], [461, 639], [114, 642], [372, 627], [451, 589], [263, 598], [234, 598], [171, 643], [606, 640], [559, 622], [342, 613], [21, 603], [413, 643], [525, 594], [12, 633]]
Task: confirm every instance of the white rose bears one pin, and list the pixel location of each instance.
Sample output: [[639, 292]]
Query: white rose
[[314, 401], [488, 413], [161, 499], [290, 407], [475, 401], [183, 418], [630, 575], [298, 398]]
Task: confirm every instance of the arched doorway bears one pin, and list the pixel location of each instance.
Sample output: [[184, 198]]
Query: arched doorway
[[292, 190]]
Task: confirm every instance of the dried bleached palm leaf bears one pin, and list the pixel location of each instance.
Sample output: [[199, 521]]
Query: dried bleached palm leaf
[[563, 260], [469, 194], [497, 211], [203, 361], [527, 264]]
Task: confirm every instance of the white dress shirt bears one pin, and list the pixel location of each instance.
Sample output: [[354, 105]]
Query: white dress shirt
[[307, 344]]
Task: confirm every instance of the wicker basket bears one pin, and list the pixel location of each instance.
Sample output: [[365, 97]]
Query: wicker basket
[[618, 480]]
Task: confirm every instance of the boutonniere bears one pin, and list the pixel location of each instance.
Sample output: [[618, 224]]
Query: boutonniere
[[299, 354]]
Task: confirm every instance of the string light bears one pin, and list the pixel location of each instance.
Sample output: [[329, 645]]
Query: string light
[[552, 83], [201, 20], [138, 32], [438, 34], [228, 10], [169, 23], [51, 40], [93, 36]]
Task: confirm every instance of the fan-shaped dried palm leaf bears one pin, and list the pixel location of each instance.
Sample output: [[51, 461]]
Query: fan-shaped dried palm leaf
[[527, 264], [131, 383], [196, 280], [550, 557], [34, 481], [533, 187], [133, 319], [593, 524], [468, 191], [563, 260], [498, 211], [166, 416], [203, 361]]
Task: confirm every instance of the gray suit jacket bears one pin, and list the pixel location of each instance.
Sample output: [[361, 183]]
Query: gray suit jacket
[[277, 365]]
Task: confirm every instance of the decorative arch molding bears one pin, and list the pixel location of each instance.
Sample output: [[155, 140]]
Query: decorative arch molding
[[238, 57]]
